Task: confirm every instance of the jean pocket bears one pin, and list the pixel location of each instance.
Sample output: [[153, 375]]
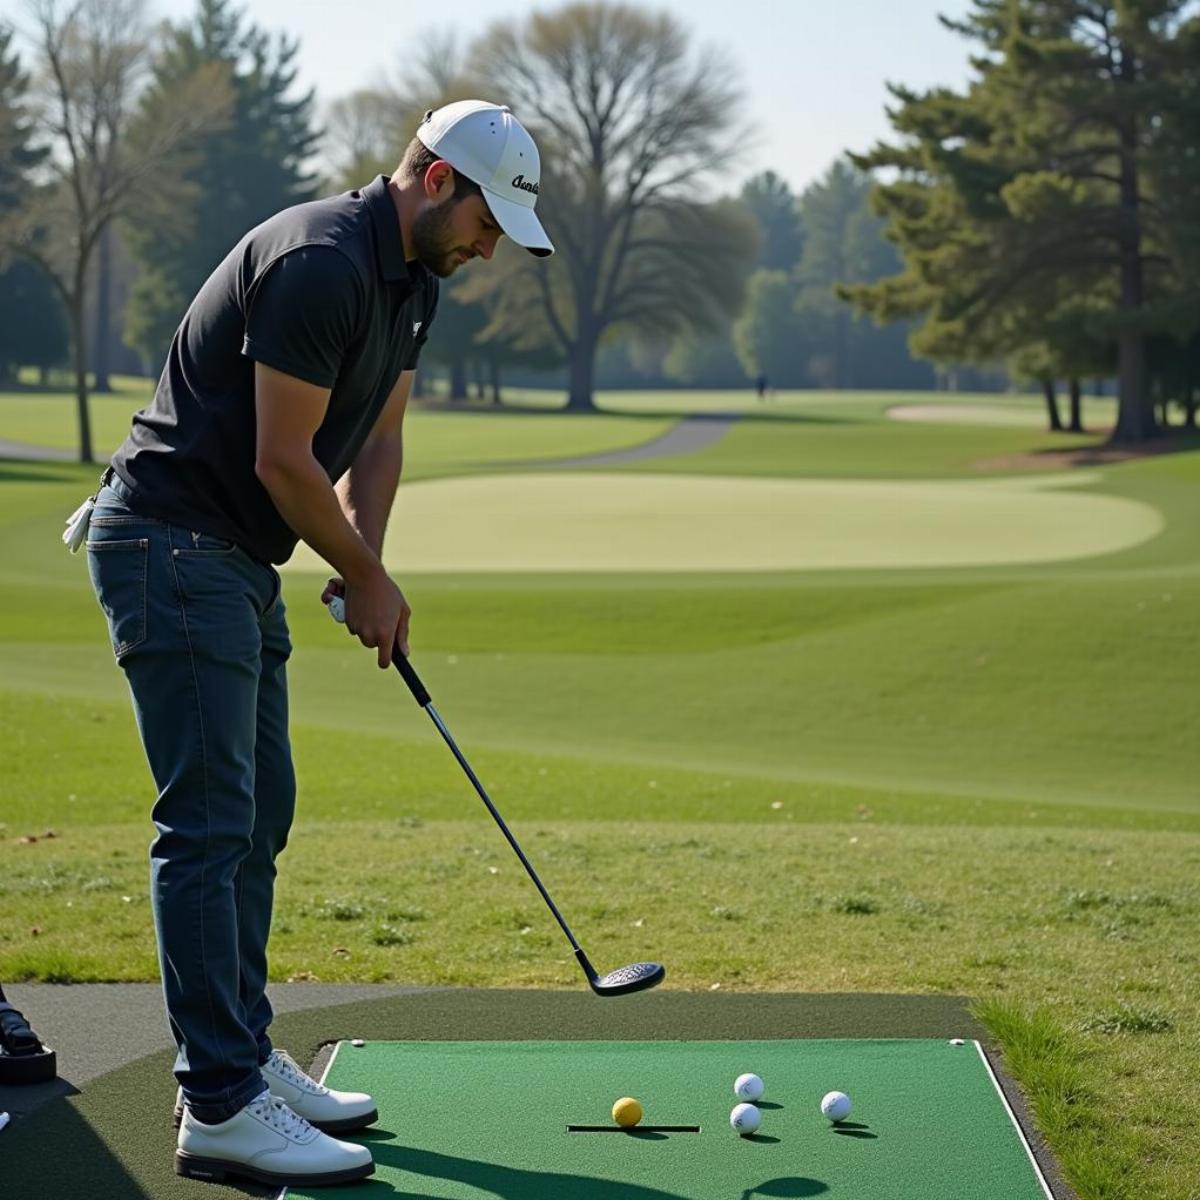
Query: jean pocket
[[118, 572], [205, 543]]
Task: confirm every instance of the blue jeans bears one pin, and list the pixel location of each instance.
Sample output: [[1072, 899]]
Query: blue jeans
[[199, 629]]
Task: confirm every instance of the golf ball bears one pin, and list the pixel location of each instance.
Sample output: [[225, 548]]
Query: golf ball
[[748, 1087], [836, 1105], [745, 1119], [627, 1112], [337, 609]]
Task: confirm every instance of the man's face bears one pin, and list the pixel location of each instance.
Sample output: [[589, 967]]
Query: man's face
[[448, 233]]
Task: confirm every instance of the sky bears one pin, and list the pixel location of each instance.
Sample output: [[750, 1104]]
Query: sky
[[813, 71]]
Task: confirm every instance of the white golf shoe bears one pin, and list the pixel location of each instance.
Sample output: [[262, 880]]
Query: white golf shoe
[[333, 1112], [270, 1144], [327, 1110]]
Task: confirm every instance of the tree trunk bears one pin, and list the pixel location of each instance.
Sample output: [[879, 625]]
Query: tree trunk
[[458, 378], [1135, 417], [494, 376], [1076, 425], [79, 347], [582, 371], [1189, 406], [100, 382], [1051, 406]]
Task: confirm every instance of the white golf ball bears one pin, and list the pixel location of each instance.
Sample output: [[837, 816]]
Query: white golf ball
[[748, 1087], [745, 1119], [337, 609], [836, 1105]]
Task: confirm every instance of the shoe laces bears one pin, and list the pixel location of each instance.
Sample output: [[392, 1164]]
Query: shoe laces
[[284, 1064], [279, 1116]]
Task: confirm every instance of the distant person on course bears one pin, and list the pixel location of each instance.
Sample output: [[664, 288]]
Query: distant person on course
[[277, 418]]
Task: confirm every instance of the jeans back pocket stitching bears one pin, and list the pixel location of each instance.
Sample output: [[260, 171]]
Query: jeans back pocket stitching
[[142, 544]]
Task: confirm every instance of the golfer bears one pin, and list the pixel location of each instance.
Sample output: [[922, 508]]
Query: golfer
[[277, 418]]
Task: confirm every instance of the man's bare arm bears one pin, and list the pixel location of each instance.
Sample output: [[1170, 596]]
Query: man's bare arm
[[368, 490], [289, 412]]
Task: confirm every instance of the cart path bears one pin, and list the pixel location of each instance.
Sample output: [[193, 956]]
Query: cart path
[[28, 452], [688, 436]]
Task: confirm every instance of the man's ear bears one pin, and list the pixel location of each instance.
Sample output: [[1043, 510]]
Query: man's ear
[[439, 181]]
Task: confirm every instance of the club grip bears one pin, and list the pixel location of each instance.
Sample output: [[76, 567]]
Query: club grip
[[410, 676]]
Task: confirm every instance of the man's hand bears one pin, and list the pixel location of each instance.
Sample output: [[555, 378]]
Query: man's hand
[[376, 612]]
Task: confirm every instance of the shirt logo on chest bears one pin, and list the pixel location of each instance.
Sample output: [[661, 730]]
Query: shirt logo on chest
[[416, 328]]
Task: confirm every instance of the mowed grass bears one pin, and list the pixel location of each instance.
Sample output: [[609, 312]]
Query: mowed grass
[[978, 781]]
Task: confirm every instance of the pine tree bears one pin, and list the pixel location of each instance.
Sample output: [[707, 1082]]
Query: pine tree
[[32, 326], [1033, 196], [19, 154], [239, 175], [774, 208]]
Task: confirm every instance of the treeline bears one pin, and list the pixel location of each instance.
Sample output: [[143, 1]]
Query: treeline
[[135, 156], [1049, 215], [1044, 223]]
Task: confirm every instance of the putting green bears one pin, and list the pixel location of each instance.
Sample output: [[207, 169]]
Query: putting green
[[585, 521]]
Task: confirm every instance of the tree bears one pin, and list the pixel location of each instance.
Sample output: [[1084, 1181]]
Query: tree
[[364, 137], [765, 335], [1037, 186], [774, 208], [33, 331], [631, 126], [92, 59], [241, 171], [19, 152], [366, 132], [31, 324]]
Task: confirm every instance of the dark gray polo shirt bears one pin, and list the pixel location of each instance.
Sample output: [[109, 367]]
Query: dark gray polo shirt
[[320, 291]]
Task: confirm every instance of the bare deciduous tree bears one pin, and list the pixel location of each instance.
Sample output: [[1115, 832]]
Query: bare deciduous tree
[[92, 59], [633, 128]]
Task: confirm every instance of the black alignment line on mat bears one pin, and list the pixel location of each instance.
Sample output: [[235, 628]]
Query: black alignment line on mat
[[633, 1129]]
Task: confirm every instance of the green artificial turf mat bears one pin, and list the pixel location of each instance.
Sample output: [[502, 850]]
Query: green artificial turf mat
[[461, 1118]]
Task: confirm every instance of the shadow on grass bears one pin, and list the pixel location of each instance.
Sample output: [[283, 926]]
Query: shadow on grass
[[57, 1153], [30, 470], [111, 1141], [1100, 453]]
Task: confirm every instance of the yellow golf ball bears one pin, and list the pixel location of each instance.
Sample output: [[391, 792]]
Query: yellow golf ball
[[627, 1112]]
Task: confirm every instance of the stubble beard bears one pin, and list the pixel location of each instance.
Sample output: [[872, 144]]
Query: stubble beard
[[433, 243]]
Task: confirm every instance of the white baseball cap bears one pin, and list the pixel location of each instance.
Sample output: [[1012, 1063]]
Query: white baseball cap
[[491, 147]]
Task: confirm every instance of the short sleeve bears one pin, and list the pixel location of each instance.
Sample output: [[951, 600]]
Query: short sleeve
[[422, 337], [303, 313]]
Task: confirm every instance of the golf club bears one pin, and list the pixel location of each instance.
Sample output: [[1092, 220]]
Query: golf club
[[636, 977]]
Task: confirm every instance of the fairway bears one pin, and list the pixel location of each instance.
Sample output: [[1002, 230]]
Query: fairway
[[871, 717], [928, 1122], [604, 523]]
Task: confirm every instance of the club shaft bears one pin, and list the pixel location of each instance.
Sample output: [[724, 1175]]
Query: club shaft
[[512, 841]]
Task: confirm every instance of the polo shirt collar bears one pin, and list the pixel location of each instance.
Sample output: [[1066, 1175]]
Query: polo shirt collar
[[389, 245]]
